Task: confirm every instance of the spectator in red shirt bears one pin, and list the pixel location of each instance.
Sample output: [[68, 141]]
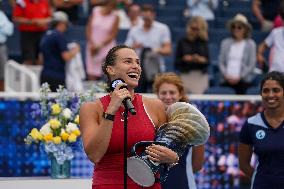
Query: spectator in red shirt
[[32, 17]]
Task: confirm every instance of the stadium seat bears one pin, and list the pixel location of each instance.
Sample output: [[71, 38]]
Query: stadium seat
[[181, 3], [220, 90], [171, 21], [170, 12], [177, 33], [76, 33], [141, 2], [213, 72], [253, 91], [259, 36], [237, 4], [121, 36], [213, 52], [217, 35], [233, 11], [221, 22]]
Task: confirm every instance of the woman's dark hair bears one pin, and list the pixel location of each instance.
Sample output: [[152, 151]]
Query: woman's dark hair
[[110, 60], [274, 75]]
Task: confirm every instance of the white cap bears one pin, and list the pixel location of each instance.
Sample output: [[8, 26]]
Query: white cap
[[241, 19], [60, 16]]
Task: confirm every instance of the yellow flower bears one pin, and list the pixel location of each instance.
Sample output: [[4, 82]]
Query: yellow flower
[[72, 138], [54, 123], [35, 134], [57, 140], [48, 137], [76, 132], [64, 135], [56, 109], [77, 119]]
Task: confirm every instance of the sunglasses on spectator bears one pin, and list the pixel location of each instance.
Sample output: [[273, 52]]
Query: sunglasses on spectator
[[238, 27], [194, 28]]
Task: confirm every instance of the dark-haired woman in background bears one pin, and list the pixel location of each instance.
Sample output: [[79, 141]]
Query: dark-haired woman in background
[[263, 134], [101, 123]]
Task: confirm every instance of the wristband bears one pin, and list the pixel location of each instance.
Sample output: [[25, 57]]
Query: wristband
[[108, 116]]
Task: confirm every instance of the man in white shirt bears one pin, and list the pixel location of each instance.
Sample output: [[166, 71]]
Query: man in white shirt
[[151, 35], [274, 41]]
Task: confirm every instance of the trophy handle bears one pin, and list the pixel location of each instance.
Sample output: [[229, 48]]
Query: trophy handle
[[139, 144], [143, 144]]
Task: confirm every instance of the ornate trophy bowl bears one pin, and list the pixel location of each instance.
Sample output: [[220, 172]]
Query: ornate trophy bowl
[[186, 126]]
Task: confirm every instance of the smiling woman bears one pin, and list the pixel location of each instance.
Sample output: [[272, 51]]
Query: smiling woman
[[263, 134], [102, 126], [170, 89]]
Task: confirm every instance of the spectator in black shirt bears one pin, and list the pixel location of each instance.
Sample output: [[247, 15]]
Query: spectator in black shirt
[[192, 56]]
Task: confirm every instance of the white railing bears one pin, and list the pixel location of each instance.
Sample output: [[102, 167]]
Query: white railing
[[21, 78], [35, 95]]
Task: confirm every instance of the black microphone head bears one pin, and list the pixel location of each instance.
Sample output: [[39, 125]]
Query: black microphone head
[[116, 82]]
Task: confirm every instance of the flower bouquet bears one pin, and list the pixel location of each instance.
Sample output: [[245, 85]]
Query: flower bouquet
[[59, 134]]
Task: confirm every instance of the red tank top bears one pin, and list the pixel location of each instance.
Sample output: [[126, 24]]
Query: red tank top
[[108, 173]]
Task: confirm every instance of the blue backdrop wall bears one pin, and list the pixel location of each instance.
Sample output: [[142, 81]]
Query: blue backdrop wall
[[221, 165]]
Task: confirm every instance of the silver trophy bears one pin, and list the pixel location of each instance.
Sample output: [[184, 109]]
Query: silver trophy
[[186, 126]]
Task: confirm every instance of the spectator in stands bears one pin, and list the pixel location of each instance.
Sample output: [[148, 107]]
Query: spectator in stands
[[133, 17], [265, 12], [71, 7], [192, 56], [33, 17], [122, 6], [170, 89], [203, 8], [237, 58], [274, 41], [6, 29], [102, 29], [55, 53], [151, 40], [127, 11]]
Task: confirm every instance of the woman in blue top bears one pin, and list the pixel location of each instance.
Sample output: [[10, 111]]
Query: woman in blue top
[[263, 134], [169, 89]]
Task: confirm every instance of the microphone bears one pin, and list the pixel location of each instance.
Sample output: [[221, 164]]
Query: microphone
[[127, 101]]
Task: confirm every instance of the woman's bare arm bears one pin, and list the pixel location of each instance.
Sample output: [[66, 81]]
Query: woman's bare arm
[[197, 158], [245, 154], [96, 132]]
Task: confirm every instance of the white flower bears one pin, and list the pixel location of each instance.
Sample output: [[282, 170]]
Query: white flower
[[45, 129], [71, 127], [67, 113]]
